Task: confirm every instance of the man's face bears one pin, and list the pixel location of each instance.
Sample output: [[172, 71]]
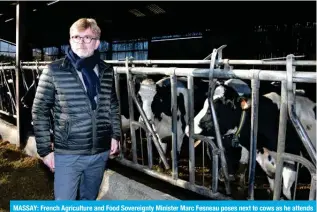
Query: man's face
[[83, 43]]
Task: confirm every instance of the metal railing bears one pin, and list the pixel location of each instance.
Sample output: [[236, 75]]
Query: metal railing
[[7, 90], [129, 68]]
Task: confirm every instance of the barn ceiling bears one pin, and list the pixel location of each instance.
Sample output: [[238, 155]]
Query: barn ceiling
[[47, 23]]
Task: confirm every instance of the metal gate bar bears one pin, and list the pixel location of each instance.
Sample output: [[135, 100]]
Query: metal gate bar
[[266, 75], [255, 85], [180, 183]]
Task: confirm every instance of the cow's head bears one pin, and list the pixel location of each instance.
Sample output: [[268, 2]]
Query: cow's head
[[156, 98], [228, 104], [146, 93]]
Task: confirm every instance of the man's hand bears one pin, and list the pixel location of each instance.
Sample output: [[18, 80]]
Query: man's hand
[[114, 147], [49, 161]]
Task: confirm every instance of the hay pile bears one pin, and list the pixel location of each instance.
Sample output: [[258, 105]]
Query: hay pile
[[22, 177]]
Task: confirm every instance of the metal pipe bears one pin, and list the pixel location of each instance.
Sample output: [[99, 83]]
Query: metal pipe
[[1, 91], [219, 140], [7, 67], [312, 192], [287, 157], [7, 113], [149, 150], [180, 183], [17, 71], [140, 125], [131, 112], [35, 62], [214, 184], [174, 126], [13, 100], [255, 85], [296, 181], [265, 75], [149, 127], [203, 159], [149, 142], [218, 62], [142, 150], [215, 160], [292, 111], [191, 148], [281, 142], [302, 134], [310, 167]]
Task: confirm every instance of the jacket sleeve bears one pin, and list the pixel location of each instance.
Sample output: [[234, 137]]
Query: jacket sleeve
[[43, 103], [115, 115]]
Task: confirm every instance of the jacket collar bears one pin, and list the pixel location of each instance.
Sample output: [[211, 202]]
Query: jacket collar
[[66, 65]]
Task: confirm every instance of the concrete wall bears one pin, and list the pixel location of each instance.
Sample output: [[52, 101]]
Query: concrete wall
[[114, 185]]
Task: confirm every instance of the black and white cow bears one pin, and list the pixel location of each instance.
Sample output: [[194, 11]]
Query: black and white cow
[[228, 109], [156, 103]]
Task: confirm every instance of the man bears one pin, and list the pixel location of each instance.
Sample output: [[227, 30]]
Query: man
[[80, 91]]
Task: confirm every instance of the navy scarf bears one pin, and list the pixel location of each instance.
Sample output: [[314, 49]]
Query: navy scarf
[[86, 67]]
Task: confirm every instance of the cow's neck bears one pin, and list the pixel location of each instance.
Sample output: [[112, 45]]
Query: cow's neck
[[236, 131], [162, 126]]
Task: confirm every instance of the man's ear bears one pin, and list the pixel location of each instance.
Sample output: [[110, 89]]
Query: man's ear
[[97, 44]]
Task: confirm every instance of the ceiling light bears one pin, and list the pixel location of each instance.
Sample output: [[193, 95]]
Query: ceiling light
[[9, 20], [136, 12], [155, 9], [53, 2]]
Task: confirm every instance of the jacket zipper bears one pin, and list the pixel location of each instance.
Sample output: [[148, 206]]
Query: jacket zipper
[[94, 127], [91, 111]]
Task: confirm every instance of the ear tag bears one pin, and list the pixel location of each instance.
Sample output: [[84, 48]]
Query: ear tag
[[244, 105]]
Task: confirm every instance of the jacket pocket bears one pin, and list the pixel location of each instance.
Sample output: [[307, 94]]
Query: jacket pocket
[[64, 128]]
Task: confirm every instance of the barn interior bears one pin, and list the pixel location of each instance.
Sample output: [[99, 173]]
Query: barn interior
[[165, 30]]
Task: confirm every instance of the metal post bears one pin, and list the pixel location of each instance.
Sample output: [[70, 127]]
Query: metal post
[[174, 126], [212, 86], [292, 109], [190, 103], [149, 142], [312, 193], [17, 74], [149, 150], [255, 84], [281, 142], [215, 160], [131, 112]]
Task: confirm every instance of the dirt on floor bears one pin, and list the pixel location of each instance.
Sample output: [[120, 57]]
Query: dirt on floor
[[22, 177]]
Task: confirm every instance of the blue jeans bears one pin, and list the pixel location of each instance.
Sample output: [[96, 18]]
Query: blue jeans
[[79, 171]]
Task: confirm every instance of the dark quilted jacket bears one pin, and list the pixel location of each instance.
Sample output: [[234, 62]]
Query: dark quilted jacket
[[77, 128]]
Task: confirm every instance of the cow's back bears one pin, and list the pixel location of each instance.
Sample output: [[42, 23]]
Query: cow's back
[[268, 127]]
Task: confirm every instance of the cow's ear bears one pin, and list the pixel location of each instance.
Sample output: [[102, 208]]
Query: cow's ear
[[139, 78]]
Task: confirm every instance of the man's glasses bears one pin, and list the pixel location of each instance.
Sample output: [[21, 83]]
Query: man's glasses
[[86, 39]]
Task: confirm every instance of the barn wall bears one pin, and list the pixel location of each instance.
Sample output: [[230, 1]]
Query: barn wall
[[248, 42], [253, 42]]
